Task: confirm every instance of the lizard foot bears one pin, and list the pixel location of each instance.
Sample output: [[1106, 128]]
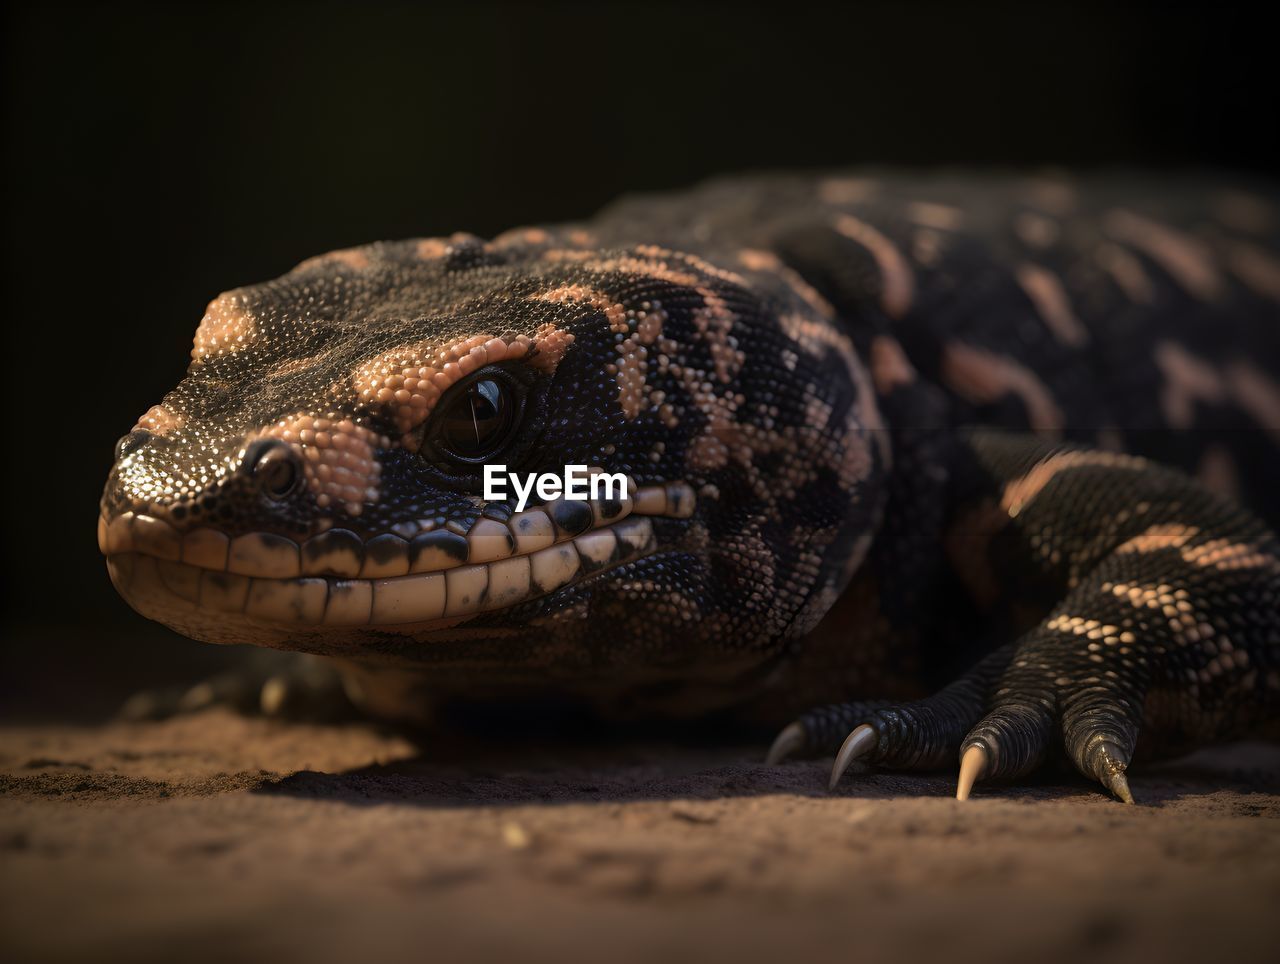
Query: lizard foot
[[918, 735], [995, 734], [1165, 622], [286, 686], [1051, 697]]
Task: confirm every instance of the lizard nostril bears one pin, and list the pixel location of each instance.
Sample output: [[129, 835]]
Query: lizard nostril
[[131, 442], [274, 466]]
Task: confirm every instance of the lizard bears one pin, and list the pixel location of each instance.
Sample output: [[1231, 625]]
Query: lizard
[[934, 469]]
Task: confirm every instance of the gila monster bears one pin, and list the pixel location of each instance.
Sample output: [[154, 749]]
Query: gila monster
[[932, 468]]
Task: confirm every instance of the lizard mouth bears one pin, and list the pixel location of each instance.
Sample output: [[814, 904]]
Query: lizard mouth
[[196, 579]]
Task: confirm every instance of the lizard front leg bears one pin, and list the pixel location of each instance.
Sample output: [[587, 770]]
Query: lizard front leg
[[1165, 632]]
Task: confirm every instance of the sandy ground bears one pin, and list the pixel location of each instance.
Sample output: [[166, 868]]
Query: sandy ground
[[216, 837]]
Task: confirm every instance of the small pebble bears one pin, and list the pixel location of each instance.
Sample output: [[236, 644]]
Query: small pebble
[[515, 836]]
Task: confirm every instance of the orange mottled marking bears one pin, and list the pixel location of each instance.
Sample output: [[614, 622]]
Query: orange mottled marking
[[714, 321], [339, 459], [1166, 535], [983, 377], [1258, 269], [754, 259], [1057, 197], [1225, 555], [1243, 212], [1187, 380], [890, 367], [943, 217], [431, 249], [159, 420], [1187, 260], [897, 283], [1036, 230], [405, 383], [632, 368], [227, 327], [614, 312], [847, 190], [1127, 272], [701, 264], [550, 343], [1051, 302], [534, 237], [356, 258], [1019, 492]]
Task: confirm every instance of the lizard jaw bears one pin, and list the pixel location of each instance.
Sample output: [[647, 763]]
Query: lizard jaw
[[167, 576]]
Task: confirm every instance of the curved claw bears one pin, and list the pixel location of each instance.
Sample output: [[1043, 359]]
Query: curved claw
[[791, 739], [973, 767], [857, 743], [1112, 772], [1118, 784]]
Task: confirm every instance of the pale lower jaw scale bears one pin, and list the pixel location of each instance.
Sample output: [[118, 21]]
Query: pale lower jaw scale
[[341, 553], [462, 591]]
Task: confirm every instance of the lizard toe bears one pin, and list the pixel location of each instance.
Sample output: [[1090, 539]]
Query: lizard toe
[[1014, 737], [1099, 733], [281, 685], [860, 742], [791, 740], [913, 735], [973, 767], [1110, 765], [1098, 729]]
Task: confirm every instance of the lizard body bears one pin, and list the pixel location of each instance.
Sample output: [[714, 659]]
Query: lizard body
[[878, 433]]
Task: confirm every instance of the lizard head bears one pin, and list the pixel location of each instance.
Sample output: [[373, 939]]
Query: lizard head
[[315, 482]]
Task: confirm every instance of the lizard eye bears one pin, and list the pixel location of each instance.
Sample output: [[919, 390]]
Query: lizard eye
[[478, 418]]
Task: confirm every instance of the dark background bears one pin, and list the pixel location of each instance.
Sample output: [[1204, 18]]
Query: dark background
[[155, 156]]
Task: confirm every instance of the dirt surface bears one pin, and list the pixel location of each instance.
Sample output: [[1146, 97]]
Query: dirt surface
[[214, 836]]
